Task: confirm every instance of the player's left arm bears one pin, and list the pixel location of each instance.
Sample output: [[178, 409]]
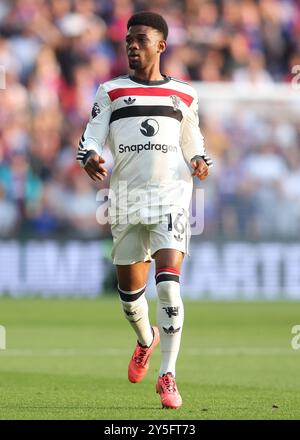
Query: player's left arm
[[200, 167], [192, 143]]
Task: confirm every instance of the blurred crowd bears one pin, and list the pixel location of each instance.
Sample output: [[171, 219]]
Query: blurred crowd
[[254, 188], [55, 54]]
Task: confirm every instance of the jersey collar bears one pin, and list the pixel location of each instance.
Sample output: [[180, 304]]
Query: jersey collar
[[150, 83]]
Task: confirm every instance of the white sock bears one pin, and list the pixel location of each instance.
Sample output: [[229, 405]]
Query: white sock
[[135, 309], [170, 316]]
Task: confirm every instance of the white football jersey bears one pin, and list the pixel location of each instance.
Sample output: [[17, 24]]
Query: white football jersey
[[152, 130]]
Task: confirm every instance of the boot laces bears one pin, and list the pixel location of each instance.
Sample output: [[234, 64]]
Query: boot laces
[[140, 358], [169, 382]]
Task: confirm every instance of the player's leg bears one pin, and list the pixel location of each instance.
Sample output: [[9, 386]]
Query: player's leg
[[170, 316], [132, 282], [170, 311], [130, 255], [169, 240]]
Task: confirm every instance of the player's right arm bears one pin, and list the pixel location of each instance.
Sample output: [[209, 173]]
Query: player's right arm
[[94, 137]]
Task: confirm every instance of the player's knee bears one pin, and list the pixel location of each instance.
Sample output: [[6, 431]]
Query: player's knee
[[134, 304], [167, 284]]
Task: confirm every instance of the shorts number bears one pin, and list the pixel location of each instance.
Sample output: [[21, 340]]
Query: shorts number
[[178, 225]]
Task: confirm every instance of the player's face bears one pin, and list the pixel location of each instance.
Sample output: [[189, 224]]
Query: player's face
[[144, 46]]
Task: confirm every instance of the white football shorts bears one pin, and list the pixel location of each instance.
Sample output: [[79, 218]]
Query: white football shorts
[[139, 242]]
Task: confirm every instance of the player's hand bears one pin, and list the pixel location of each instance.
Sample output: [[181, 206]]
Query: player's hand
[[200, 168], [94, 167]]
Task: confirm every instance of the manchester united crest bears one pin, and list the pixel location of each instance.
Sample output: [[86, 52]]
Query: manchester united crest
[[176, 101]]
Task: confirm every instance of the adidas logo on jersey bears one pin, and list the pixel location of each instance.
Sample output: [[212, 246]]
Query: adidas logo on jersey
[[129, 101]]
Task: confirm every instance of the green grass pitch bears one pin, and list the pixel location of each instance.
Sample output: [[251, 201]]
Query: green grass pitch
[[67, 359]]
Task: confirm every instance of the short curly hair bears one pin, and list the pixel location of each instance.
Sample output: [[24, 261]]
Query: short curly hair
[[151, 19]]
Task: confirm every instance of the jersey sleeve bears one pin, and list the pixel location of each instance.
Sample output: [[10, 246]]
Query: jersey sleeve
[[192, 140], [97, 129]]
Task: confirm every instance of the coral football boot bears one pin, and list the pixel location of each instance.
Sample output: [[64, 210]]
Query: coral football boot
[[167, 388], [139, 363]]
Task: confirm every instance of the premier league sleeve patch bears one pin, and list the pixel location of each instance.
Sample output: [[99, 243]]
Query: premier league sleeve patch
[[95, 110]]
